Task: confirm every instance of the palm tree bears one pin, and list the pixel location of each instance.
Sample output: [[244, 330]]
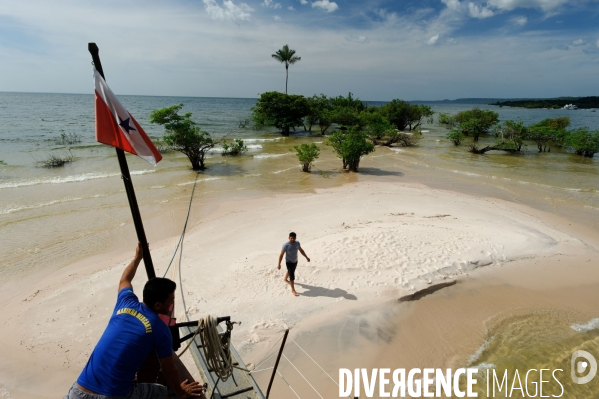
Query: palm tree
[[286, 56]]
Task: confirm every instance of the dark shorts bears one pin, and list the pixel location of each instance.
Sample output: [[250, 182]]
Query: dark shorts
[[140, 391], [291, 269]]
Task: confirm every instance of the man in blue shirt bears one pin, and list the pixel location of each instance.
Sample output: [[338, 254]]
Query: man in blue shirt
[[134, 330], [290, 250]]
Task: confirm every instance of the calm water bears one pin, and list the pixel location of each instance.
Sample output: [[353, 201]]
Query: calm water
[[52, 217]]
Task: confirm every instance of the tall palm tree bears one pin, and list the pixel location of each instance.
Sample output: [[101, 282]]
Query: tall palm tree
[[286, 56]]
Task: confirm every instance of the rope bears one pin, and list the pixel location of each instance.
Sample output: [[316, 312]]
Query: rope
[[281, 375], [302, 376], [271, 348], [315, 362], [216, 347], [257, 371], [184, 226]]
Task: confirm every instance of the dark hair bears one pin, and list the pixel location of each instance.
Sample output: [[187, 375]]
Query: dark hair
[[292, 234], [157, 290]]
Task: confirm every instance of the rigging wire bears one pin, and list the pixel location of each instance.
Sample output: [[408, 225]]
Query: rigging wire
[[315, 362], [305, 379], [180, 243]]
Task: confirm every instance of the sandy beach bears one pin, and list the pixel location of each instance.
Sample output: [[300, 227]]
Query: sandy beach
[[370, 244]]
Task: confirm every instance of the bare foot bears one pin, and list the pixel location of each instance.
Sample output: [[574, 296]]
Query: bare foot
[[294, 293]]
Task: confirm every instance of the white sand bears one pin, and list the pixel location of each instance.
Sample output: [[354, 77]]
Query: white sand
[[368, 242]]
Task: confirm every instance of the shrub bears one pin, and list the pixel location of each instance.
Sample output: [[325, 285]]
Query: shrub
[[2, 162], [455, 136], [53, 160], [350, 146], [306, 154], [68, 139], [583, 141], [236, 148], [183, 135]]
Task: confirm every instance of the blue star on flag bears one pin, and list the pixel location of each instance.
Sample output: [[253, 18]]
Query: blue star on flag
[[125, 124]]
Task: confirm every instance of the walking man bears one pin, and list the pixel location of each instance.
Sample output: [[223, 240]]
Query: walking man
[[290, 250], [133, 331]]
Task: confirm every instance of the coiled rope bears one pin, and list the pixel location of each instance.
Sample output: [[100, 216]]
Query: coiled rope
[[216, 347]]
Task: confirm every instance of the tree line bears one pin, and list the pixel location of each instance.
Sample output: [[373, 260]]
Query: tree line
[[511, 136], [287, 112]]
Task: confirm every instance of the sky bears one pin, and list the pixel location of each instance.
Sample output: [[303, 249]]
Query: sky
[[376, 49]]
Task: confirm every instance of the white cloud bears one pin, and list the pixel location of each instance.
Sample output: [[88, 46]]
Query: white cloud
[[433, 40], [545, 5], [453, 5], [520, 21], [290, 8], [326, 5], [577, 42], [229, 12], [270, 4], [276, 18], [303, 2], [479, 12], [357, 39]]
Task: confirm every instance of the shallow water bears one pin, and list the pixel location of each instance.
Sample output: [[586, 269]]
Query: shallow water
[[52, 217]]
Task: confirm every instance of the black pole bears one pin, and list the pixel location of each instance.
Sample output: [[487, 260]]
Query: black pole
[[274, 371], [126, 176]]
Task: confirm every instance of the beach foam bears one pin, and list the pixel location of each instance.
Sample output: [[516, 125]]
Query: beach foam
[[69, 179], [591, 325]]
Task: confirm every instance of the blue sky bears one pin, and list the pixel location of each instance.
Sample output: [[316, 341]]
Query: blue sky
[[378, 49]]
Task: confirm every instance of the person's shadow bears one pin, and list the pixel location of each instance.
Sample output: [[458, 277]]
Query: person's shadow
[[321, 291]]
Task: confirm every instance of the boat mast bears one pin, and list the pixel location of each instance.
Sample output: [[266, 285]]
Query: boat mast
[[126, 176]]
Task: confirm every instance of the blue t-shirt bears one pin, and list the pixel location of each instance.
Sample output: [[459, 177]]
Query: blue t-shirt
[[291, 251], [133, 331]]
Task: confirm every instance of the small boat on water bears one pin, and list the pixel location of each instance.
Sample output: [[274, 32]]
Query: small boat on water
[[570, 106]]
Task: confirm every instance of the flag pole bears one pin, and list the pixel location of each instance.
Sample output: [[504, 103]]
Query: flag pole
[[126, 176]]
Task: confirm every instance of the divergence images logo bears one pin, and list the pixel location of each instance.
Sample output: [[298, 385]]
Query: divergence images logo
[[582, 366]]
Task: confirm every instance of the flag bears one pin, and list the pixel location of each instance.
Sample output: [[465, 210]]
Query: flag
[[116, 127]]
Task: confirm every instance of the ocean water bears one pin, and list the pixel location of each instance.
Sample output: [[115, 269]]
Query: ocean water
[[50, 218]]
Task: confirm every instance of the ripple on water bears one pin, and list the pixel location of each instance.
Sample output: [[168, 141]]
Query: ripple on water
[[534, 341]]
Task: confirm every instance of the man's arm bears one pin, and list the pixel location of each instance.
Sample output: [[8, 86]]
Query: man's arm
[[280, 259], [129, 272], [184, 389], [303, 253]]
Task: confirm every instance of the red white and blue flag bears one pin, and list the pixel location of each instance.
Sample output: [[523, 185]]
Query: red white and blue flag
[[116, 127]]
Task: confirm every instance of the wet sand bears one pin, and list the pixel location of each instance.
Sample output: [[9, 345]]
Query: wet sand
[[370, 243]]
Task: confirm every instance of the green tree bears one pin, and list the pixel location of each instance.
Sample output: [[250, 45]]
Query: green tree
[[397, 113], [476, 121], [349, 102], [306, 154], [543, 136], [558, 125], [346, 116], [286, 56], [417, 113], [583, 141], [182, 134], [512, 135], [350, 146], [376, 124], [280, 110], [319, 113]]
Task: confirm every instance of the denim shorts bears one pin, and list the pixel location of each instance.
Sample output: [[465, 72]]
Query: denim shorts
[[139, 391]]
